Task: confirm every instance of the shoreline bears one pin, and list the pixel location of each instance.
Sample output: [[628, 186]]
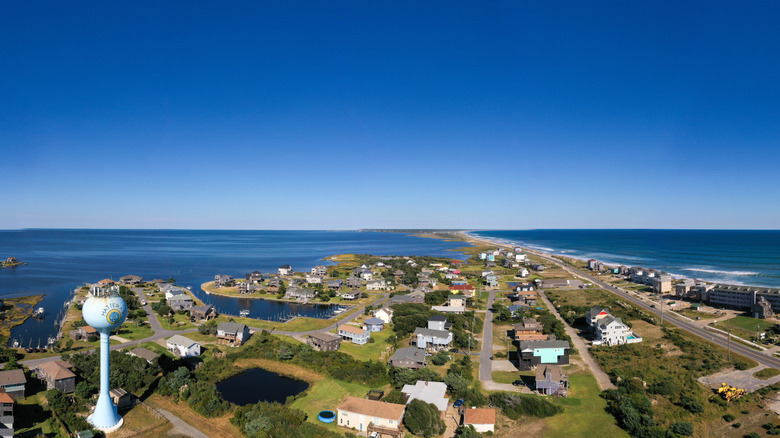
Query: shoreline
[[489, 241], [280, 300]]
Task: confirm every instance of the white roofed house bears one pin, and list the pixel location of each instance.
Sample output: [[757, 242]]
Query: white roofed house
[[612, 331], [357, 335], [319, 270], [170, 290], [385, 314], [285, 270], [300, 293], [429, 392], [366, 275], [183, 347], [378, 284], [372, 416]]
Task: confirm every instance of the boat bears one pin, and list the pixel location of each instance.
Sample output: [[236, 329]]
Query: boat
[[39, 312], [244, 312], [16, 344]]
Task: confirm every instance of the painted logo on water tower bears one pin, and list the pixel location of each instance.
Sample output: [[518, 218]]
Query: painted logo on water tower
[[113, 316]]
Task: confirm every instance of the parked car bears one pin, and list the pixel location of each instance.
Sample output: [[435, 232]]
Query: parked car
[[458, 403], [518, 383]]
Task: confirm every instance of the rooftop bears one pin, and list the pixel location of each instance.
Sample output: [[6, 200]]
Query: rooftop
[[372, 408], [181, 340], [479, 416]]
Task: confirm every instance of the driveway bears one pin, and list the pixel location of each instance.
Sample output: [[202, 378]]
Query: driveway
[[485, 364]]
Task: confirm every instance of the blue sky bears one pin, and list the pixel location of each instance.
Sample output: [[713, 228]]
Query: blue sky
[[341, 115]]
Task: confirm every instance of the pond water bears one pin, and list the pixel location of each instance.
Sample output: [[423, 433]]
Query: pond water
[[256, 384]]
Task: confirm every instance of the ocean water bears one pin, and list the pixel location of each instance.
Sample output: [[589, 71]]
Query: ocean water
[[59, 261], [748, 257]]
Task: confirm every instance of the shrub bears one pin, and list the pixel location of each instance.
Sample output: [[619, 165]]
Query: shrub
[[728, 417], [691, 404], [423, 419], [683, 428], [515, 405]]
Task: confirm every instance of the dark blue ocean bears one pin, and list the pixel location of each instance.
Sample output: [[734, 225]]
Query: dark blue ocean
[[727, 256], [59, 261]]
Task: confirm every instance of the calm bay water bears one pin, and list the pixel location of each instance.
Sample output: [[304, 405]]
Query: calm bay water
[[729, 256], [59, 261], [257, 384]]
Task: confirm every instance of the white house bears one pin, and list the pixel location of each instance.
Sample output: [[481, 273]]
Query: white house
[[379, 284], [170, 290], [357, 335], [313, 279], [285, 270], [429, 392], [612, 331], [319, 270], [436, 335], [367, 275], [183, 347], [368, 416], [385, 314]]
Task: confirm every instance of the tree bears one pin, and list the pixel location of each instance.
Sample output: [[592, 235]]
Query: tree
[[441, 358], [84, 390], [683, 428], [467, 432], [423, 419], [171, 280]]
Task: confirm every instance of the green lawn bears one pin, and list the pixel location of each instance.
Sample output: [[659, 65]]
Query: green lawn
[[130, 331], [181, 322], [744, 326], [327, 394], [370, 351], [584, 412]]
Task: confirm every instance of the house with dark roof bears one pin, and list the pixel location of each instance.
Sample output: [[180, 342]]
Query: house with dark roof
[[551, 380], [130, 280], [57, 375], [354, 282], [206, 311], [254, 277], [530, 329], [221, 280], [6, 414], [335, 284], [549, 352], [409, 357], [232, 333], [351, 294], [13, 382], [594, 315], [324, 341], [181, 302], [374, 324], [121, 398], [402, 299], [144, 353]]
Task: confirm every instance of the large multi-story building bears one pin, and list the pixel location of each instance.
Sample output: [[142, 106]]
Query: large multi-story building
[[741, 297]]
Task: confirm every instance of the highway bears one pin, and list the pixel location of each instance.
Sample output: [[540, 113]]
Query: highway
[[670, 317]]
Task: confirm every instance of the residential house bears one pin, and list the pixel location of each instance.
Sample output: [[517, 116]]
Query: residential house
[[527, 298], [662, 284], [181, 302], [379, 284], [351, 294], [491, 280], [436, 336], [402, 299], [13, 382], [398, 274], [254, 277], [6, 415], [130, 280], [762, 309], [144, 353], [121, 398], [245, 287], [374, 324], [83, 333], [465, 289], [537, 267], [171, 291], [557, 283], [221, 280], [313, 279], [522, 273], [409, 357], [510, 263], [428, 281], [357, 335], [369, 416], [529, 330], [324, 341], [423, 290], [483, 420], [285, 270], [300, 293], [57, 375], [335, 284], [551, 380], [457, 300], [206, 311], [366, 275], [183, 347], [354, 282], [612, 331], [429, 392], [515, 309], [385, 314], [451, 276], [319, 270], [594, 315], [232, 333], [550, 352], [681, 289]]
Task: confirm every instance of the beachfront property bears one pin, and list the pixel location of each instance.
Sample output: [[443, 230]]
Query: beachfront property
[[324, 341], [385, 314], [170, 290], [368, 416], [662, 284], [181, 302], [550, 380], [682, 288], [355, 334], [130, 280], [434, 393], [13, 382], [482, 420], [549, 352], [285, 270], [183, 347], [762, 309], [593, 316], [298, 293], [374, 324], [409, 357], [612, 331], [595, 265], [221, 280], [254, 277], [529, 330], [245, 287], [232, 334], [378, 284], [57, 375], [320, 271], [741, 297]]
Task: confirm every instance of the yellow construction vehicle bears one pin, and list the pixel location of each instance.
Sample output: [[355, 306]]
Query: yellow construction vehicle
[[729, 392]]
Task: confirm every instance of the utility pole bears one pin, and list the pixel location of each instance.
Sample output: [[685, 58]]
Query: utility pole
[[728, 338]]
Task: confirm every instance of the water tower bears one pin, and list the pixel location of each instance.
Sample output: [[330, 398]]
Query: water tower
[[105, 310]]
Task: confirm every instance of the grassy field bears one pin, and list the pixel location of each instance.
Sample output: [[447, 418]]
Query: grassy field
[[327, 394], [766, 373], [744, 326], [130, 331], [584, 412], [376, 350], [219, 426], [296, 325], [180, 322]]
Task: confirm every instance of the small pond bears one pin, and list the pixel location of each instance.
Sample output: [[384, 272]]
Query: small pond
[[256, 384]]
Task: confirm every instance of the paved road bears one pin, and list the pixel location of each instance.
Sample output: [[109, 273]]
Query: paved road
[[682, 323], [485, 364], [601, 377], [180, 426], [354, 314]]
